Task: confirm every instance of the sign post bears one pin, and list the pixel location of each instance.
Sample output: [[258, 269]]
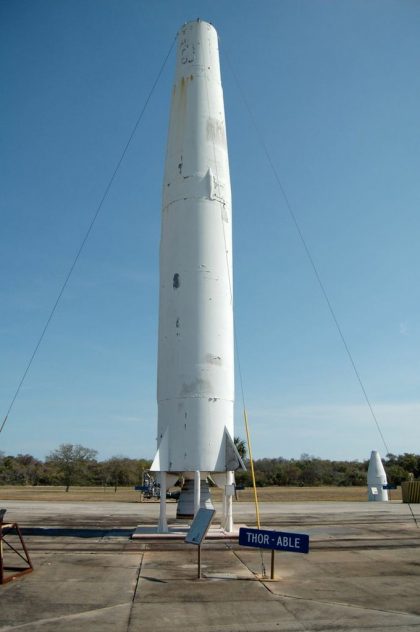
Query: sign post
[[198, 531], [275, 541], [199, 562]]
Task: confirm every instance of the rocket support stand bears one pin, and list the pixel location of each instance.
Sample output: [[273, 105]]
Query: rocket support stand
[[12, 528], [163, 524], [227, 503], [197, 491]]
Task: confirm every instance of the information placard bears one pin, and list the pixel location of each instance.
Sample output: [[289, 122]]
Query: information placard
[[200, 525]]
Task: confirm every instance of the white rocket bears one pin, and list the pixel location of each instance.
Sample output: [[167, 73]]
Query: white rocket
[[195, 390], [376, 478]]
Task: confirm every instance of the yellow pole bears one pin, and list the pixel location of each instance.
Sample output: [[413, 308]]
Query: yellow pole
[[257, 511]]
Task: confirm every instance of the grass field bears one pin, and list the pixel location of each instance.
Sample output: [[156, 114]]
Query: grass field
[[127, 494]]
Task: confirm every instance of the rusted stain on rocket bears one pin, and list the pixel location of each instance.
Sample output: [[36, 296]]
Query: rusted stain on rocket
[[176, 282], [187, 52], [213, 359], [196, 388]]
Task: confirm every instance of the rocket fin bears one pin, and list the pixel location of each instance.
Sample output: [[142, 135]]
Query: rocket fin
[[161, 460], [233, 458]]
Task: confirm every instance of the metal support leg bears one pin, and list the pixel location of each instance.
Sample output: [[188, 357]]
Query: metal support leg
[[163, 525], [197, 491], [6, 528], [229, 501]]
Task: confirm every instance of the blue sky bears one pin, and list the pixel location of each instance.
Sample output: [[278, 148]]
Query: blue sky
[[335, 90]]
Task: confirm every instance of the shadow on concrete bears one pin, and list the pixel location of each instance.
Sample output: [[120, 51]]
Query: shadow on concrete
[[62, 532]]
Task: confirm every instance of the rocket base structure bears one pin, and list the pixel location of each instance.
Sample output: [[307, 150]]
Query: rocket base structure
[[195, 390]]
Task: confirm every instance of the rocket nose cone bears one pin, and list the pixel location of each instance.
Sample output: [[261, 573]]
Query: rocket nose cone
[[197, 23], [376, 468]]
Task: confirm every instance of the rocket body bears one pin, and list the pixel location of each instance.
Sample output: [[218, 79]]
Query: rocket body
[[195, 390], [376, 478]]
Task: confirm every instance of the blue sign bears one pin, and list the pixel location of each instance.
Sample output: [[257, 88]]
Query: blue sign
[[277, 540]]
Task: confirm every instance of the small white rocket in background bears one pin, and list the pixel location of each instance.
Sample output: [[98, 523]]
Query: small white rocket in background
[[376, 478], [195, 389]]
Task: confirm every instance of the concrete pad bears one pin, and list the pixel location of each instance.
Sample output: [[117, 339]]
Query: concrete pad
[[264, 616], [68, 584], [109, 618], [204, 590], [179, 532], [362, 573], [183, 565], [207, 616], [121, 515], [315, 615], [375, 581]]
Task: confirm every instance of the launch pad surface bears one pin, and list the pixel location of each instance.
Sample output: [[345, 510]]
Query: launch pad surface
[[362, 572], [179, 532]]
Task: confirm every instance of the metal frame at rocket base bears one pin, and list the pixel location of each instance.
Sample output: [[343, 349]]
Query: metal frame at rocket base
[[195, 389]]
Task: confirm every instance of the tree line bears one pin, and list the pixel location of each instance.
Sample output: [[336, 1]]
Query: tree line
[[312, 471], [73, 464], [70, 465]]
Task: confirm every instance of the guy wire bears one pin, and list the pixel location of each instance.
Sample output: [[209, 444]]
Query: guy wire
[[307, 251], [87, 234]]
